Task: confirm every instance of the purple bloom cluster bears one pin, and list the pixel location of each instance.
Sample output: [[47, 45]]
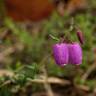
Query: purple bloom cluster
[[67, 53]]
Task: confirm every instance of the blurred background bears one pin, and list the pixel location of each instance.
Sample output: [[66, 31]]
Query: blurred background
[[27, 67]]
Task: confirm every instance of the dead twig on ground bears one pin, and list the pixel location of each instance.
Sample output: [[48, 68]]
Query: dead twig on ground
[[90, 69], [10, 50], [88, 72], [46, 84]]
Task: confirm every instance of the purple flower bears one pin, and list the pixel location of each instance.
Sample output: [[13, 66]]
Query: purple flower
[[75, 53], [60, 52]]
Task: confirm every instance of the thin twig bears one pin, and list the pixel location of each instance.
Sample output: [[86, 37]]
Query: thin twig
[[5, 83], [83, 87], [10, 50], [88, 72], [90, 69], [46, 84], [6, 73], [3, 33], [51, 80]]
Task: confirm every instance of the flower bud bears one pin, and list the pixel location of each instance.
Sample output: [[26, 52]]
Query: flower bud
[[60, 52], [75, 53], [80, 37]]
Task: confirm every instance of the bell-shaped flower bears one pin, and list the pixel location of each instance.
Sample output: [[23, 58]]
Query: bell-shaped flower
[[75, 53], [61, 54]]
